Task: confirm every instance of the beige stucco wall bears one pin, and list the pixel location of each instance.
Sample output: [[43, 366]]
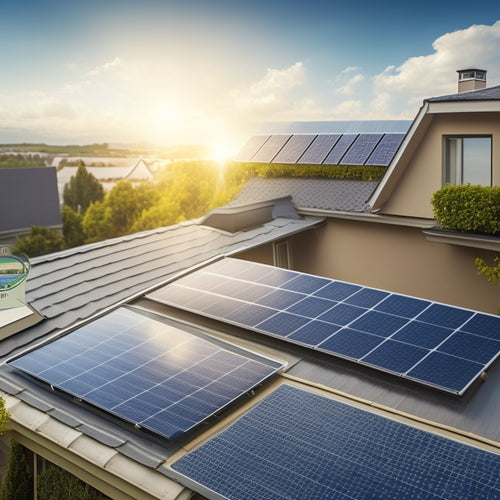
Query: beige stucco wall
[[398, 259], [424, 172]]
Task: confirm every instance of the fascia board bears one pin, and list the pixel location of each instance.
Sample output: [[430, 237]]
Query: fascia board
[[463, 107]]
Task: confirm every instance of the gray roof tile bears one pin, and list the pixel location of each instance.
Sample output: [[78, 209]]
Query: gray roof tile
[[486, 94]]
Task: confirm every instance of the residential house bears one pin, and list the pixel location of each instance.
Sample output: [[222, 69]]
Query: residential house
[[270, 349], [29, 198]]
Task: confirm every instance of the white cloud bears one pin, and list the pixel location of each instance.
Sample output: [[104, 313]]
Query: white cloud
[[349, 87], [435, 74], [350, 69], [104, 67], [279, 79]]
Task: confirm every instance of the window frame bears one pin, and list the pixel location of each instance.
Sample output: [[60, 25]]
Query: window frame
[[454, 174]]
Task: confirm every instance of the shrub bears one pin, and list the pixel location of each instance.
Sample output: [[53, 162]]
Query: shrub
[[468, 208], [17, 482], [357, 172], [58, 484]]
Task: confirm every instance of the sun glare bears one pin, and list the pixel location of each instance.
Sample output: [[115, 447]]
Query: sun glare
[[221, 152]]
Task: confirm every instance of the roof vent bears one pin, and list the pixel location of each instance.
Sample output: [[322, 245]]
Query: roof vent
[[471, 79]]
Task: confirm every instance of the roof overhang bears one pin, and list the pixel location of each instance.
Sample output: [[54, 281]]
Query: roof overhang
[[463, 106]]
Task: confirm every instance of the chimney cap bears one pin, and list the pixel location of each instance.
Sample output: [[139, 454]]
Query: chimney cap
[[472, 73]]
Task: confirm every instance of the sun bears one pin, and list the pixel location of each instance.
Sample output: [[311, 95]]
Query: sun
[[220, 151]]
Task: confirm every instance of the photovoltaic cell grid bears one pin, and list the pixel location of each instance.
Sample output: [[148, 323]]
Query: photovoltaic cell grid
[[435, 344], [146, 371], [251, 147], [328, 149], [270, 148], [293, 149], [298, 445]]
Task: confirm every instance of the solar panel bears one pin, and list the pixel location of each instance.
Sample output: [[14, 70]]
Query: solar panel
[[251, 147], [319, 149], [293, 149], [270, 148], [362, 324], [340, 149], [295, 444], [385, 150], [146, 371], [361, 149]]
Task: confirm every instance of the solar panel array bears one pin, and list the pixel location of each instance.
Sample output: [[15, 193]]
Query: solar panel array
[[296, 445], [327, 149], [146, 371], [435, 344]]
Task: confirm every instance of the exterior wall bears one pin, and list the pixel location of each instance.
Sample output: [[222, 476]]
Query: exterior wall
[[424, 174], [399, 259]]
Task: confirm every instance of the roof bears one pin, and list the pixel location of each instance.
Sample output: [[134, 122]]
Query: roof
[[486, 94], [310, 193], [29, 197]]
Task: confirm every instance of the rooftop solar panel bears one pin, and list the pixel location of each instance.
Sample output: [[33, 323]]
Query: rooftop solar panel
[[340, 149], [319, 149], [295, 444], [270, 148], [251, 147], [293, 149], [362, 324], [361, 149], [385, 150], [147, 371]]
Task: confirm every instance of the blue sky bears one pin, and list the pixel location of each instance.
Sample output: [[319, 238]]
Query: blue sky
[[186, 71]]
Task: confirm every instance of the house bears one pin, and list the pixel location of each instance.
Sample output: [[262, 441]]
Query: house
[[108, 176], [29, 198], [269, 349]]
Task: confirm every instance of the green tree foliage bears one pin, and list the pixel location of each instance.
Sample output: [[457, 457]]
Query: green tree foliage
[[4, 417], [492, 272], [72, 227], [17, 483], [58, 484], [19, 160], [468, 208], [82, 189], [40, 241]]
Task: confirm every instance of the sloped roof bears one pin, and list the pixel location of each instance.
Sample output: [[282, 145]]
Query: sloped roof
[[29, 197], [309, 193], [69, 286], [486, 94]]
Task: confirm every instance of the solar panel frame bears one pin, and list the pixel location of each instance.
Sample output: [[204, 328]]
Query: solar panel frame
[[294, 148], [296, 444], [374, 315], [170, 366]]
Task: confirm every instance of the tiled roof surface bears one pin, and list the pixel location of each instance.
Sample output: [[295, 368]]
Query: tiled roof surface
[[322, 194], [486, 94]]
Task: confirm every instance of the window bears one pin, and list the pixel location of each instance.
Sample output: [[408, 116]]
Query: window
[[283, 255], [468, 160]]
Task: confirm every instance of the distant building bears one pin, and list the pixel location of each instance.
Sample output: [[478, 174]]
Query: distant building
[[28, 197]]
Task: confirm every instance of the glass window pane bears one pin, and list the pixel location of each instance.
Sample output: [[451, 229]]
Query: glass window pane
[[477, 161]]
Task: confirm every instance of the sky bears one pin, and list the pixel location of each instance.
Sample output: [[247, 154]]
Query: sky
[[173, 72]]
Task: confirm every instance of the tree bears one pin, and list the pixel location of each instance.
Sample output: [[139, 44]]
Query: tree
[[40, 241], [492, 272], [72, 227], [17, 483], [57, 484], [82, 189]]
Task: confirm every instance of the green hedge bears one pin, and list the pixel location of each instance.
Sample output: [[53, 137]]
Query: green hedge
[[468, 208], [358, 172]]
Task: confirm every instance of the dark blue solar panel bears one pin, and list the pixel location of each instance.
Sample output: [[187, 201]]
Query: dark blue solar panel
[[293, 149], [270, 148], [351, 343], [340, 149], [294, 445], [146, 371], [319, 149], [385, 150], [361, 149], [341, 318], [251, 147], [484, 325]]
